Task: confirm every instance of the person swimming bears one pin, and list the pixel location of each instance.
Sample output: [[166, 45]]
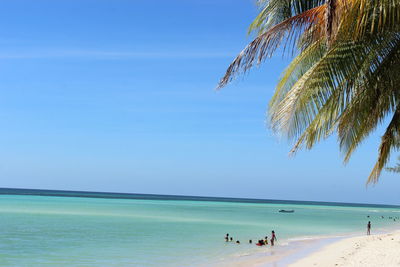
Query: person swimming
[[231, 239], [227, 238], [250, 241], [273, 238], [237, 242]]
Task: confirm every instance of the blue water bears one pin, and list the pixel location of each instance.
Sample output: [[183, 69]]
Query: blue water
[[76, 231]]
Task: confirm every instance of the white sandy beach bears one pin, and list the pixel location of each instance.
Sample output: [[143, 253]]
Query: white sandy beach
[[373, 250]]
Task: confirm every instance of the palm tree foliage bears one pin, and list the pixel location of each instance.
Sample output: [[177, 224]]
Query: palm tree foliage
[[343, 78], [396, 168]]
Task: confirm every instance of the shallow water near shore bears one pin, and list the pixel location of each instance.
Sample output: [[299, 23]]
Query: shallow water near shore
[[72, 231]]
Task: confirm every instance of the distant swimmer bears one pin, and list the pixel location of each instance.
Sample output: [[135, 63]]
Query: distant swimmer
[[237, 242], [231, 239], [227, 238], [250, 241], [369, 228], [273, 238]]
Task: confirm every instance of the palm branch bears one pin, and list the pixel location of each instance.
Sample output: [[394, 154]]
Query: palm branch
[[343, 79], [395, 169]]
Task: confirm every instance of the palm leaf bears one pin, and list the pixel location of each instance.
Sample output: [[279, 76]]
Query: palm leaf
[[265, 44]]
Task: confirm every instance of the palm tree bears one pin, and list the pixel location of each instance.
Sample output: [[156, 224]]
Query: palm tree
[[344, 75]]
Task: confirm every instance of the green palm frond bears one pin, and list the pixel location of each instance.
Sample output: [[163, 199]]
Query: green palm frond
[[375, 16], [375, 96], [273, 12], [395, 169], [344, 78], [296, 69], [390, 140], [313, 89], [266, 44]]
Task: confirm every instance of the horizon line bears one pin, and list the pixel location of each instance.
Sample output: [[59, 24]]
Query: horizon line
[[119, 195]]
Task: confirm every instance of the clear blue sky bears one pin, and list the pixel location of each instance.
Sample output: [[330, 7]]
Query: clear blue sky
[[119, 96]]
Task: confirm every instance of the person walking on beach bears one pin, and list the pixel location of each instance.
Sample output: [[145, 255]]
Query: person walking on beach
[[369, 228], [273, 238]]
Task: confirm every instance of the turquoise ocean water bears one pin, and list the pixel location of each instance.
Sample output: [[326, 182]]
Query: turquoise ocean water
[[83, 231]]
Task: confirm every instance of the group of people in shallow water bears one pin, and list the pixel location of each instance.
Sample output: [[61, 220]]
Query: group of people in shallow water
[[264, 241], [390, 218], [261, 242]]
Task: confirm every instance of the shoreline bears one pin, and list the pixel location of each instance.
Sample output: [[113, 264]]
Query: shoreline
[[374, 250], [313, 251], [282, 254], [380, 249]]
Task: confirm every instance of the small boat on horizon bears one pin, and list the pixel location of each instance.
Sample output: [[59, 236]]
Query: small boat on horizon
[[286, 211]]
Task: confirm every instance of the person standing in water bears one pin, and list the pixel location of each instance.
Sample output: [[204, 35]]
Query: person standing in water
[[369, 228], [273, 238], [227, 237]]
